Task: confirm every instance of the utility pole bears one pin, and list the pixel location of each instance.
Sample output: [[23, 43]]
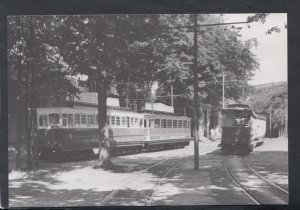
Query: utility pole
[[223, 92], [207, 122], [270, 121], [172, 100], [196, 99], [286, 118]]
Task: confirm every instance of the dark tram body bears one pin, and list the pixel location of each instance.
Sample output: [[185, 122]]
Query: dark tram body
[[74, 130], [242, 129]]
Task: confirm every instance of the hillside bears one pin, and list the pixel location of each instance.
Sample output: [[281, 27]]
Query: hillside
[[261, 97]]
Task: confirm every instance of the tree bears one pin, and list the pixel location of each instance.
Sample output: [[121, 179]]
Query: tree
[[32, 60]]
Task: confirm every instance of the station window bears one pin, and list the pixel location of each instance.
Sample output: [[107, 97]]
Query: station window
[[70, 121], [118, 121], [157, 123], [179, 123], [169, 123], [64, 120], [53, 119], [174, 123], [43, 120], [113, 120], [123, 121], [164, 123], [83, 120], [185, 124], [77, 119]]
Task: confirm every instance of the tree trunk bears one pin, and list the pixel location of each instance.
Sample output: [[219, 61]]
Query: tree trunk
[[104, 149], [207, 122]]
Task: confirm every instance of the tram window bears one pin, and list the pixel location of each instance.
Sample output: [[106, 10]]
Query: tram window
[[127, 122], [184, 123], [83, 119], [91, 120], [141, 123], [118, 121], [174, 123], [132, 121], [157, 123], [53, 119], [70, 121], [145, 123], [43, 120], [136, 121], [108, 120], [65, 120], [164, 123], [151, 123], [179, 123], [97, 120], [169, 123], [77, 119], [113, 120], [123, 121], [188, 124]]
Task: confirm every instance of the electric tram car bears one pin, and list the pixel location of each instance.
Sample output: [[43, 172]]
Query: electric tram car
[[66, 130], [242, 129]]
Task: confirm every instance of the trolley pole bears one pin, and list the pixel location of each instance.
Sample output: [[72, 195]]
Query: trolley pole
[[196, 99]]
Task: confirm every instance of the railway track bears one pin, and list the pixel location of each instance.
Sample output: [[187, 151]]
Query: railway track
[[256, 187], [144, 197]]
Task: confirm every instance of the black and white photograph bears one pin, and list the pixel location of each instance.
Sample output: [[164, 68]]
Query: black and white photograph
[[147, 109]]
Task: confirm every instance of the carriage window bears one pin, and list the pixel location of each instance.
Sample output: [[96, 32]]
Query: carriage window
[[65, 119], [123, 121], [43, 120], [70, 121], [113, 120], [77, 119], [174, 123], [169, 123], [118, 121], [157, 123], [83, 119], [53, 119], [163, 123], [184, 123], [179, 123]]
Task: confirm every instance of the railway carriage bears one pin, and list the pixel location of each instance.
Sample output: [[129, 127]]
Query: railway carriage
[[72, 129], [242, 129]]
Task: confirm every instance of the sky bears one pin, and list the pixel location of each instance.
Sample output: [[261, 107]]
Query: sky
[[271, 51]]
